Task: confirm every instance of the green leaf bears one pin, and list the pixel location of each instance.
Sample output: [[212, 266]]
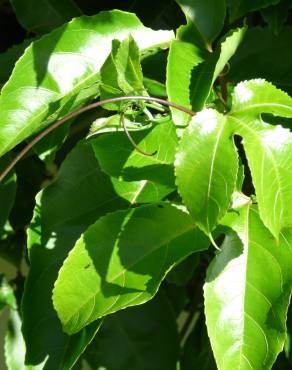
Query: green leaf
[[118, 157], [7, 192], [60, 72], [41, 16], [206, 168], [182, 59], [205, 74], [247, 292], [9, 57], [143, 191], [121, 261], [183, 272], [239, 8], [207, 16], [144, 337], [121, 74], [268, 148], [79, 195], [258, 55]]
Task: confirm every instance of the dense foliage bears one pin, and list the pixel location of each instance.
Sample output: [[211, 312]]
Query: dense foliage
[[144, 236]]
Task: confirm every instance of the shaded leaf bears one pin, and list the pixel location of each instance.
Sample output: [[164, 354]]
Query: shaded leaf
[[79, 195], [276, 15], [207, 16], [259, 53], [59, 72], [197, 352], [118, 157], [247, 292], [268, 148], [121, 261], [144, 337], [41, 16], [206, 168], [239, 8], [184, 271]]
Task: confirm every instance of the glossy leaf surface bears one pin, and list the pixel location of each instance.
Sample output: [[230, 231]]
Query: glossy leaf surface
[[268, 148], [121, 260], [247, 292], [207, 16], [63, 211], [59, 72], [206, 168], [144, 337]]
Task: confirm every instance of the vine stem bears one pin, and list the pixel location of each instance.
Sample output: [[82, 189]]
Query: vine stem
[[99, 103]]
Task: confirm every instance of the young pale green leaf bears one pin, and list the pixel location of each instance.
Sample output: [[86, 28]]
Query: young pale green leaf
[[239, 8], [121, 260], [7, 297], [43, 16], [247, 293], [205, 74], [206, 168], [268, 149], [182, 59], [258, 55], [7, 192], [79, 195], [121, 74], [60, 71], [144, 337], [118, 157], [207, 16]]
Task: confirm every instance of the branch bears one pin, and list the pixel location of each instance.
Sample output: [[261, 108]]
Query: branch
[[55, 125]]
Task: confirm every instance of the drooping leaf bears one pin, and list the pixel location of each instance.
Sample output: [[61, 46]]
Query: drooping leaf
[[144, 337], [41, 16], [247, 292], [259, 53], [206, 168], [121, 261], [239, 8], [207, 16], [118, 157], [7, 192], [268, 148], [59, 72], [79, 195]]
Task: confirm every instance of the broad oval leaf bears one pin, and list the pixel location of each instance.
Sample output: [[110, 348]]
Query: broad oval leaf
[[268, 148], [79, 195], [121, 260], [206, 168], [59, 72], [144, 337], [247, 293]]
